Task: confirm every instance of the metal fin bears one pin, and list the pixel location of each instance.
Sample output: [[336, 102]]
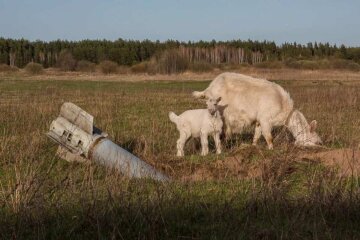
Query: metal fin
[[77, 116]]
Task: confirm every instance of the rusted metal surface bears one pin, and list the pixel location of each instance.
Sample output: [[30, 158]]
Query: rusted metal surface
[[81, 141]]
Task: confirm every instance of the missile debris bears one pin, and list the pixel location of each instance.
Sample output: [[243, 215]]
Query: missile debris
[[79, 140]]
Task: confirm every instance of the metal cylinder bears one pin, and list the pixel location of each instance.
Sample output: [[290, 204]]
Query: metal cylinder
[[107, 153]]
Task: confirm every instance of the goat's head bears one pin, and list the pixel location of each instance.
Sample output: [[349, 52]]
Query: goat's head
[[304, 133], [212, 104], [311, 138]]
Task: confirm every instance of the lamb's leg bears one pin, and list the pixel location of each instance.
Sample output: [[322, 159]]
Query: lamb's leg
[[217, 142], [266, 131], [181, 143], [204, 144], [257, 134]]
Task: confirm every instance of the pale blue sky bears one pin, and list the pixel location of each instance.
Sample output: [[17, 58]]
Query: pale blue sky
[[279, 20]]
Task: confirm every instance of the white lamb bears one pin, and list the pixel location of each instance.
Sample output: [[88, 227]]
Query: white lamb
[[199, 123]]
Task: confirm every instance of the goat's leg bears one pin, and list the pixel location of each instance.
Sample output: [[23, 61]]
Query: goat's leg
[[181, 143], [257, 133], [204, 143], [217, 142], [228, 133], [266, 132]]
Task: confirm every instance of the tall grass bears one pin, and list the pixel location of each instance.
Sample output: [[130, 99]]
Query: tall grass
[[44, 197]]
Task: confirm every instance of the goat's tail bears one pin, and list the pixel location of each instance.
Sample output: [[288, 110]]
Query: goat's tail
[[198, 94], [173, 117]]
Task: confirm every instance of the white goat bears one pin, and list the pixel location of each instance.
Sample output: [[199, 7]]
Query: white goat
[[248, 100], [199, 123]]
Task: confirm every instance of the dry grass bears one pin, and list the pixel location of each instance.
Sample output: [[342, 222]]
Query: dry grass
[[125, 74], [259, 194]]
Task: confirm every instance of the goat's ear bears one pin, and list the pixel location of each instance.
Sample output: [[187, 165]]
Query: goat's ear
[[218, 99], [313, 125]]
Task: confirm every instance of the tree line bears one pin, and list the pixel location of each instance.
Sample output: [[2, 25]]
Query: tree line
[[20, 52]]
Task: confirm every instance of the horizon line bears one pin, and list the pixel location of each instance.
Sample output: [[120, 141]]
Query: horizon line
[[182, 41]]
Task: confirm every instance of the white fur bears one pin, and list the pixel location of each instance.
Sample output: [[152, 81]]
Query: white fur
[[248, 100], [198, 123]]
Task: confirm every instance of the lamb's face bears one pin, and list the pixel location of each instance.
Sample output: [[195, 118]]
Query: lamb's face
[[212, 104]]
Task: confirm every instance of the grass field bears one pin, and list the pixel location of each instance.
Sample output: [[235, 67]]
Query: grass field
[[265, 195]]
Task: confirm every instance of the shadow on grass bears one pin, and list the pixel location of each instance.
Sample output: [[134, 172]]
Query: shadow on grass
[[189, 211]]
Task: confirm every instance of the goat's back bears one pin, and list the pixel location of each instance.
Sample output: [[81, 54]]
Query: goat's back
[[250, 99]]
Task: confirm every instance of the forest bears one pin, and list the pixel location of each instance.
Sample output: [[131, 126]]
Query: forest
[[20, 52]]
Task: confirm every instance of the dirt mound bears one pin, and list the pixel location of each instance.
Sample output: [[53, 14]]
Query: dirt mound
[[346, 160], [238, 166], [250, 163], [234, 167]]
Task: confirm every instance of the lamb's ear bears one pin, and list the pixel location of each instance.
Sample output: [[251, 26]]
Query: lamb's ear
[[313, 125], [218, 99]]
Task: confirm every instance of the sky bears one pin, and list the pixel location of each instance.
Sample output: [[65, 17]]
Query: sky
[[303, 21]]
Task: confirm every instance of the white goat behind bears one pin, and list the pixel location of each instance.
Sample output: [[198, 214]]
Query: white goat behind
[[199, 123], [247, 100]]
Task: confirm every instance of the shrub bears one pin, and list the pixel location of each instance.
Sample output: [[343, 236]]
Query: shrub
[[311, 65], [323, 64], [140, 67], [7, 68], [152, 66], [66, 61], [123, 69], [171, 62], [345, 64], [232, 67], [108, 67], [269, 64], [34, 68], [201, 67], [85, 66], [291, 63]]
